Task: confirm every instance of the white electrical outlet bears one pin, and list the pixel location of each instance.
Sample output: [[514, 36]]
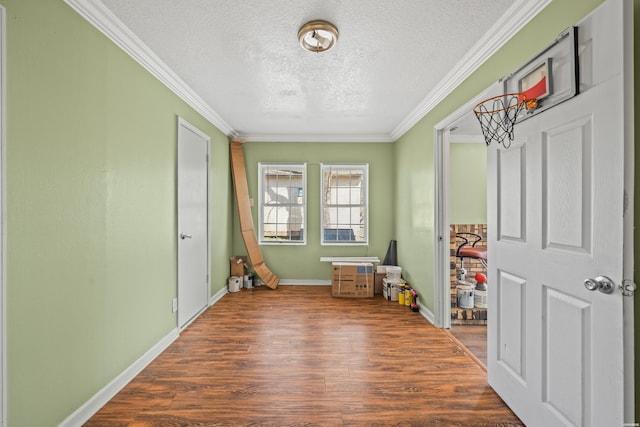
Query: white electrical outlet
[[174, 305]]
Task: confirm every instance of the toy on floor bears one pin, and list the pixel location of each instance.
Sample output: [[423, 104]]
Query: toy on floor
[[414, 301]]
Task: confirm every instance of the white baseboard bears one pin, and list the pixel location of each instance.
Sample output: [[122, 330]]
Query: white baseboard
[[305, 282], [216, 297], [93, 405], [424, 311]]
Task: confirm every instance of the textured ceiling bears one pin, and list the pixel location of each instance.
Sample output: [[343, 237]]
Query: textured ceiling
[[243, 59]]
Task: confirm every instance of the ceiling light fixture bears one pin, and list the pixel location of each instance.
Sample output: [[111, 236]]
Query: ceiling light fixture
[[318, 36]]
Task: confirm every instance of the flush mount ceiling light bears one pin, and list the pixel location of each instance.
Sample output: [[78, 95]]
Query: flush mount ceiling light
[[318, 36]]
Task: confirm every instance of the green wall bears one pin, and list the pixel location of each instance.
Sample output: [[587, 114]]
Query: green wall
[[91, 201], [292, 262], [91, 210], [468, 183]]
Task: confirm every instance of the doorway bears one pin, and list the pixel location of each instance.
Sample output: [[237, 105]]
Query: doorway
[[193, 223], [462, 127], [468, 236], [461, 208]]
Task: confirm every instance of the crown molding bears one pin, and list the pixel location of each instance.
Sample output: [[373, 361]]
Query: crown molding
[[106, 22], [514, 19], [316, 137]]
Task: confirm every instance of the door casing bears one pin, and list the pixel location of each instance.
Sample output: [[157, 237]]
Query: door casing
[[442, 291], [183, 123], [3, 223]]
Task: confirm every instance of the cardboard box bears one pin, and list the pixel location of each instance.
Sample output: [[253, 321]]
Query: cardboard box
[[238, 266], [377, 280], [352, 280]]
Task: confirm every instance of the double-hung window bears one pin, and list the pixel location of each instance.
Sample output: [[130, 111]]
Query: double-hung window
[[345, 219], [282, 201]]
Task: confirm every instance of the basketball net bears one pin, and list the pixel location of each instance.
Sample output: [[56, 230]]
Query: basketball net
[[498, 115]]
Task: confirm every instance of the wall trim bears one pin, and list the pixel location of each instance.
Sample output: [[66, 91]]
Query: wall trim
[[441, 148], [93, 405], [217, 296], [514, 19], [305, 282], [3, 218], [427, 314], [106, 22], [369, 138]]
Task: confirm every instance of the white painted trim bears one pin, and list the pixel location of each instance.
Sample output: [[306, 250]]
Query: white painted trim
[[441, 276], [628, 221], [3, 218], [105, 21], [217, 296], [370, 138], [514, 19], [442, 302], [372, 259], [427, 314], [304, 282], [98, 400], [275, 205]]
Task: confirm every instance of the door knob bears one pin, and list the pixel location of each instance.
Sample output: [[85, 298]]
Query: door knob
[[607, 286], [185, 236], [601, 283]]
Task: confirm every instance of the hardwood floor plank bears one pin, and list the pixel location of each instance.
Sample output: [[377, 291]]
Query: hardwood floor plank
[[474, 338], [296, 356]]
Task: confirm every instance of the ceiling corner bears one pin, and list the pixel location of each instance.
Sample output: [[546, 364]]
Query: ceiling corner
[[107, 23], [514, 19]]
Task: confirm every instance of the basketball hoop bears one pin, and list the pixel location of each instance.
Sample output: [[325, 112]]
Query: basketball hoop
[[498, 115]]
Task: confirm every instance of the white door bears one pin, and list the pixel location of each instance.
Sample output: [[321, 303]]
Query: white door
[[556, 206], [193, 235]]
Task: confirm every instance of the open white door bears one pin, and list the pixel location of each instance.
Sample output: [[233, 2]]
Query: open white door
[[556, 351], [193, 228]]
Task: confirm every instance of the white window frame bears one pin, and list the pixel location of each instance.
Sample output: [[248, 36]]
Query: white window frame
[[262, 169], [364, 167]]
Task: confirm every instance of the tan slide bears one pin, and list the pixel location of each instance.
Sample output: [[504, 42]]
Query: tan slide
[[244, 212]]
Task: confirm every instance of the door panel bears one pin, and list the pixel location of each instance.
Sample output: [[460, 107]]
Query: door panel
[[512, 194], [512, 334], [555, 348], [193, 265], [566, 189]]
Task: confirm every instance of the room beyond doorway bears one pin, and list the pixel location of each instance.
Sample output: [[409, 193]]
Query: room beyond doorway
[[460, 155]]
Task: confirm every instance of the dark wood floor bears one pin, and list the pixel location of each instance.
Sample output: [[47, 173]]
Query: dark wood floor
[[474, 338], [295, 356]]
